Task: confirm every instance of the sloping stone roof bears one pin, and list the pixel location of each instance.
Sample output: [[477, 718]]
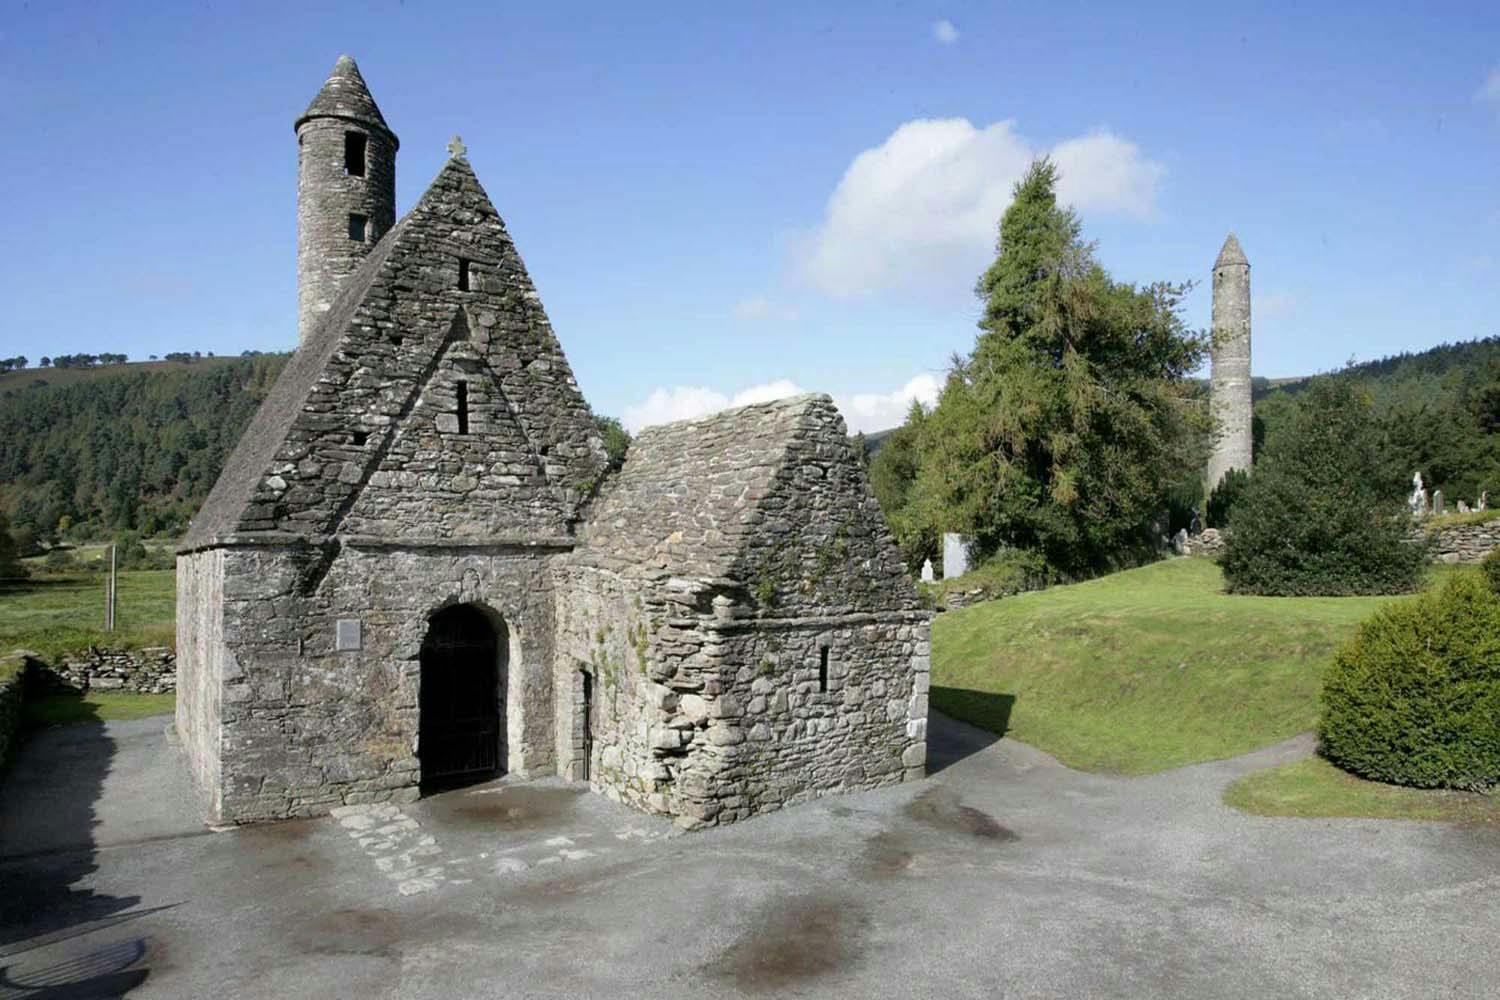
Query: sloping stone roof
[[344, 95], [768, 497], [1231, 253], [337, 409]]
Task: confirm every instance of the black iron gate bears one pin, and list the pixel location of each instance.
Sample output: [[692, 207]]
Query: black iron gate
[[459, 705]]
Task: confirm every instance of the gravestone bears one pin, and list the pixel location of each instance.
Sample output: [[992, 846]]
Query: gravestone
[[1437, 502], [955, 555], [927, 576]]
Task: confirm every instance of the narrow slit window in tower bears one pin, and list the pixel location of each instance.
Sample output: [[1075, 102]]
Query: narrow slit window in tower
[[823, 670], [355, 144], [463, 275], [360, 437], [357, 226], [462, 391]]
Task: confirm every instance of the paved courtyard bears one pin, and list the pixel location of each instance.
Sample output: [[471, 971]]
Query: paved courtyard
[[1002, 875]]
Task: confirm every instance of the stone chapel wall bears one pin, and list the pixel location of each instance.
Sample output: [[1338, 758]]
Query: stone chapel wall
[[201, 656], [313, 726]]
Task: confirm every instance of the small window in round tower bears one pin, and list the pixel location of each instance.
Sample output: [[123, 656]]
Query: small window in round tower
[[355, 144], [358, 224]]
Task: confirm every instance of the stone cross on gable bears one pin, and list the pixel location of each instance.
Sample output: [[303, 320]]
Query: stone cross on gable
[[456, 147]]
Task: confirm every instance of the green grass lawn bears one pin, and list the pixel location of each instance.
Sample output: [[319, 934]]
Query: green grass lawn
[[65, 614], [96, 706], [1315, 789], [1144, 670]]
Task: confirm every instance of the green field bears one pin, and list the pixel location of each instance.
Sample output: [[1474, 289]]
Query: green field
[[1312, 788], [1144, 670], [53, 615]]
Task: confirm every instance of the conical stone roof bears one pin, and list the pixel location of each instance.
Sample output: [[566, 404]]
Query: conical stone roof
[[344, 95], [1231, 253]]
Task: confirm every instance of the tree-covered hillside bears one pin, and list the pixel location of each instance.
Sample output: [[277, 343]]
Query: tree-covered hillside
[[123, 448], [1438, 412]]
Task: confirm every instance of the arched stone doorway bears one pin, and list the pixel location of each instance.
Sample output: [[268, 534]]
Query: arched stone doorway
[[461, 698]]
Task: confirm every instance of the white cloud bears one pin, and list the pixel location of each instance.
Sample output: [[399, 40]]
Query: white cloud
[[926, 203], [863, 411], [944, 31], [1489, 92], [758, 308], [873, 411]]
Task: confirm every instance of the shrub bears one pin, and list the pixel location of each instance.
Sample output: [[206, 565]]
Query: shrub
[[1414, 698], [1321, 514], [1225, 496], [60, 558], [1490, 567]]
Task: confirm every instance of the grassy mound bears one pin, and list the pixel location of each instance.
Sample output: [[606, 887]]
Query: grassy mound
[[1144, 670], [1314, 789]]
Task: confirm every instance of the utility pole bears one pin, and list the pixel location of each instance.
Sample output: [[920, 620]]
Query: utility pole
[[111, 593]]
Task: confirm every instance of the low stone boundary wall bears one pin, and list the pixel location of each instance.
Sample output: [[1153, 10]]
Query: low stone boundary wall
[[1464, 543], [12, 690], [150, 670]]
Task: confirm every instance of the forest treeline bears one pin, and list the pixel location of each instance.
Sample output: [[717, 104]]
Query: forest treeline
[[133, 450], [127, 451], [1437, 412]]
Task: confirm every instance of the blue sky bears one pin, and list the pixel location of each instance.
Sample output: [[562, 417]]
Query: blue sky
[[718, 203]]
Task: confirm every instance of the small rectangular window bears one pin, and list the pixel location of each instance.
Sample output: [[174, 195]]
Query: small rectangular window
[[354, 153], [462, 391], [463, 275], [357, 226], [823, 670]]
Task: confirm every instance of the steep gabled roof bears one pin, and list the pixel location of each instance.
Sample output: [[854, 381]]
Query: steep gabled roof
[[689, 492], [344, 95], [331, 416], [769, 496]]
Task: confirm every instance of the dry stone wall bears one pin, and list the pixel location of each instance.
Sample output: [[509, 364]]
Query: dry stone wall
[[1464, 543], [13, 670]]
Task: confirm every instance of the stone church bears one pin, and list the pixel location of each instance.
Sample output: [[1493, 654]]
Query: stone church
[[417, 568]]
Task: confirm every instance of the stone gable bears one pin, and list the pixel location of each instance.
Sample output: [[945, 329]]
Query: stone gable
[[350, 405]]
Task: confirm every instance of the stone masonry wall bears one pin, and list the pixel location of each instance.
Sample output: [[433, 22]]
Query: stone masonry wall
[[606, 625], [201, 656], [774, 736], [309, 726], [1465, 543], [150, 670], [710, 716]]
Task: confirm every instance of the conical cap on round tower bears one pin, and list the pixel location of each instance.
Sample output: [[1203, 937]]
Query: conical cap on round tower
[[344, 95], [1231, 253]]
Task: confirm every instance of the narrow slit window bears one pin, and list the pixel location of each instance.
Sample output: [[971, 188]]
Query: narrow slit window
[[462, 391], [463, 275], [360, 437], [823, 670], [357, 226], [355, 145]]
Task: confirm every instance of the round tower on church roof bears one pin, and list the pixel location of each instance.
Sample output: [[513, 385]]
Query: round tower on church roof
[[346, 188]]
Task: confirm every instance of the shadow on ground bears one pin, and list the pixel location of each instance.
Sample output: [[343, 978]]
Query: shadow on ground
[[987, 715], [49, 797]]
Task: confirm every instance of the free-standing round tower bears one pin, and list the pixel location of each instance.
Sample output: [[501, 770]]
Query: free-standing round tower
[[1230, 378], [346, 188]]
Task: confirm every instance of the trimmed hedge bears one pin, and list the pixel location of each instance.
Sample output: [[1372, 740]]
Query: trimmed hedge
[[1414, 698]]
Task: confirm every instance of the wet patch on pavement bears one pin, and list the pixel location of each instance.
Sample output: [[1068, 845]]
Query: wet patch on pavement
[[791, 943], [942, 809]]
